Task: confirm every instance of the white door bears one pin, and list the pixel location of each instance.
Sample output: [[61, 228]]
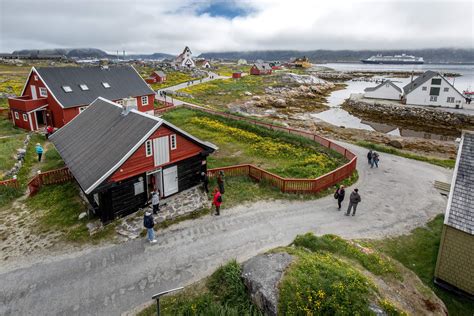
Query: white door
[[33, 92], [170, 180], [161, 149]]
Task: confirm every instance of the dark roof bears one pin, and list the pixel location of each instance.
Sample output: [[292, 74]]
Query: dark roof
[[124, 82], [460, 212], [100, 139], [380, 85], [424, 77]]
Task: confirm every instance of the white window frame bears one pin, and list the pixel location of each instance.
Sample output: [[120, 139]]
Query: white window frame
[[67, 89], [43, 92], [36, 78], [145, 100], [82, 109], [17, 117], [149, 148], [25, 117], [106, 85], [83, 87], [450, 100], [173, 142], [433, 98]]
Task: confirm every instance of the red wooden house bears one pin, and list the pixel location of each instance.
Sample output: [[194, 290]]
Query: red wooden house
[[119, 155], [55, 95], [237, 75], [261, 69], [156, 77]]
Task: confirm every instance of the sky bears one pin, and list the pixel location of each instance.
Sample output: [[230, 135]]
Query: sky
[[148, 26]]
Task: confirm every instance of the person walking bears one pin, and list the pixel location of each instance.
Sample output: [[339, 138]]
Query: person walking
[[205, 181], [354, 199], [155, 201], [39, 151], [149, 222], [49, 131], [369, 157], [339, 195], [220, 181], [217, 201], [375, 160]]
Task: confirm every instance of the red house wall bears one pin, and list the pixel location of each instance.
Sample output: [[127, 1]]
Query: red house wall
[[254, 71], [146, 108], [158, 78], [138, 163], [20, 122]]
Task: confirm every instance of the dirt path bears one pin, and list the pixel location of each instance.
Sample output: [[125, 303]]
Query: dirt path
[[112, 279]]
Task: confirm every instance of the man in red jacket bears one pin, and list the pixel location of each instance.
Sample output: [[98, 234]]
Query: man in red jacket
[[217, 201]]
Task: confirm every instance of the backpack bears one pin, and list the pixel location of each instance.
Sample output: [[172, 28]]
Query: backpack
[[219, 199], [336, 195]]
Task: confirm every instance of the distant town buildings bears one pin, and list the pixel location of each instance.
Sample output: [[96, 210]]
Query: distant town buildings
[[454, 267], [241, 62], [157, 76]]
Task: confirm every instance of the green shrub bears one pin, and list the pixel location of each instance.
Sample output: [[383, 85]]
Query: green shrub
[[8, 194], [372, 261], [321, 284]]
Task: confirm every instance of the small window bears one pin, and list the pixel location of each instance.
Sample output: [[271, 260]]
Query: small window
[[424, 88], [82, 109], [25, 118], [67, 89], [84, 87], [436, 81], [434, 91], [148, 148], [43, 92], [106, 85], [17, 116], [174, 145], [433, 98], [145, 100], [446, 89], [450, 100], [36, 78], [119, 102]]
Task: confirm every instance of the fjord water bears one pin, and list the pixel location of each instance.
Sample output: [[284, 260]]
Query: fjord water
[[339, 117]]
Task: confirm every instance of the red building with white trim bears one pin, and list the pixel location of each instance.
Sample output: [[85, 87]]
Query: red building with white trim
[[55, 95], [156, 77]]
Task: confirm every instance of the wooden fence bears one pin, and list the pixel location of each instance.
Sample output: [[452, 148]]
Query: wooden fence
[[12, 183], [49, 177]]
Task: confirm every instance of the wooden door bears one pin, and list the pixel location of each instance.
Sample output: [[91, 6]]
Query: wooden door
[[170, 180]]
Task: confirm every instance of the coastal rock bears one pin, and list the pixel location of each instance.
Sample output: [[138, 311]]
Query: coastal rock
[[395, 143], [261, 275]]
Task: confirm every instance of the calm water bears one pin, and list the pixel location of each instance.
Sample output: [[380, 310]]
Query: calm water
[[339, 117]]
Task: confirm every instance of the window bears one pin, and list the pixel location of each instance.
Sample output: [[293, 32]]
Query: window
[[450, 100], [145, 100], [446, 89], [25, 118], [106, 85], [43, 92], [433, 98], [120, 102], [67, 89], [173, 142], [424, 88], [434, 91], [436, 81], [36, 78], [16, 116], [148, 148], [82, 109], [84, 87]]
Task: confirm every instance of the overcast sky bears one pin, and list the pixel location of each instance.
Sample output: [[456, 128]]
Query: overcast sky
[[147, 26]]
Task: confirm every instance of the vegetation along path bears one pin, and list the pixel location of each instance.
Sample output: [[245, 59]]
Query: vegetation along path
[[112, 279]]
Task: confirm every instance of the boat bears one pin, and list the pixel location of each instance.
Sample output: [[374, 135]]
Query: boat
[[468, 94], [397, 59]]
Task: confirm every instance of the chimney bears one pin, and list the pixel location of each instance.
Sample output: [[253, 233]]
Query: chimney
[[128, 105]]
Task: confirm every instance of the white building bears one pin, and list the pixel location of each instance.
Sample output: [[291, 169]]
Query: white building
[[185, 59], [242, 62], [432, 89], [386, 90]]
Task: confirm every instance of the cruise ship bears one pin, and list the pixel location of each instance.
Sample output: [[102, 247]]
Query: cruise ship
[[397, 59]]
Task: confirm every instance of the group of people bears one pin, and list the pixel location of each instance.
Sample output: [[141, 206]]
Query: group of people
[[149, 221], [373, 158], [354, 200]]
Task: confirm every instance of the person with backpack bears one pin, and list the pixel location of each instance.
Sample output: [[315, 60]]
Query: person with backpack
[[339, 195], [217, 201], [369, 157], [149, 222], [39, 151], [155, 201], [354, 199], [375, 160]]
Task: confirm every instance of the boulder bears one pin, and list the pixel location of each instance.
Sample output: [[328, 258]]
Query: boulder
[[247, 93], [279, 103], [261, 275], [82, 215], [395, 143]]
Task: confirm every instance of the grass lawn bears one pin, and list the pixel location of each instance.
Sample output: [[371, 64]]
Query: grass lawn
[[418, 251], [172, 77], [240, 142], [228, 70], [446, 163], [8, 147]]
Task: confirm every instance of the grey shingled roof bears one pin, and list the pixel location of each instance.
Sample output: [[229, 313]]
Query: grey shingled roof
[[97, 139], [160, 73], [263, 66], [421, 79], [124, 82], [380, 85], [460, 213]]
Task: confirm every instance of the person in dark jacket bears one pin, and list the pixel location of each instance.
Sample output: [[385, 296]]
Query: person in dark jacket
[[340, 193], [354, 199], [220, 181], [205, 181], [369, 157], [149, 222], [375, 160]]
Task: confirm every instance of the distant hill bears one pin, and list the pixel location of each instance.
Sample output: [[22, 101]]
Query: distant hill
[[440, 55], [87, 53]]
